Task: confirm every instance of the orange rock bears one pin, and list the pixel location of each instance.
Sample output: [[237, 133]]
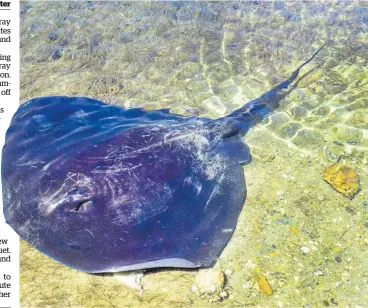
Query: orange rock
[[264, 286], [294, 229], [343, 178]]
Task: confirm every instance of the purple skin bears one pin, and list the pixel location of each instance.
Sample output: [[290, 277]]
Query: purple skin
[[102, 188]]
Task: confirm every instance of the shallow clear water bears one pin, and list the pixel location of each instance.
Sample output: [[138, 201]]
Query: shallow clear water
[[209, 58]]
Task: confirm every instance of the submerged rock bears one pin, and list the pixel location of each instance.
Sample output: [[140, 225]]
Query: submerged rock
[[264, 286], [342, 178], [130, 279], [209, 284]]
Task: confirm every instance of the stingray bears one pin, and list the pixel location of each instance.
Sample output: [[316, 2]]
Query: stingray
[[102, 188]]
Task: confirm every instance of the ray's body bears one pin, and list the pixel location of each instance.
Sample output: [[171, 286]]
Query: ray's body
[[102, 188]]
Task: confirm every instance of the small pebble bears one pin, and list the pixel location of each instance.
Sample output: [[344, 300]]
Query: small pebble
[[209, 282], [305, 249], [338, 259], [318, 272], [228, 271], [56, 54], [52, 36]]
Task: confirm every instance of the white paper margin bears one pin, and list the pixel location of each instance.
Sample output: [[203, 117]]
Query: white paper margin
[[10, 105]]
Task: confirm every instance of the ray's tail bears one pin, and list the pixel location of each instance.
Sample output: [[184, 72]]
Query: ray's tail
[[254, 111]]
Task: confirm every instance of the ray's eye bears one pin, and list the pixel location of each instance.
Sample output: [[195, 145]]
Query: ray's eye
[[84, 206]]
